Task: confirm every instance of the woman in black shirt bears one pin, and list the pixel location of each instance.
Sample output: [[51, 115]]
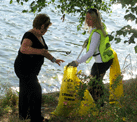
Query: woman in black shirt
[[27, 66]]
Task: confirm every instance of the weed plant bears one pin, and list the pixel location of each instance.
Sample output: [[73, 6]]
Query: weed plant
[[9, 102]]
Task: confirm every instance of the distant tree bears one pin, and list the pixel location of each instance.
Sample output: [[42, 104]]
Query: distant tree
[[81, 6]]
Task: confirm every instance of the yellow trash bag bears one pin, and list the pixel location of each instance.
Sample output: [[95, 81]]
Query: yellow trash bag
[[87, 106], [68, 104], [116, 86]]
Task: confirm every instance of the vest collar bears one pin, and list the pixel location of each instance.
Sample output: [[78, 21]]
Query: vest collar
[[93, 29]]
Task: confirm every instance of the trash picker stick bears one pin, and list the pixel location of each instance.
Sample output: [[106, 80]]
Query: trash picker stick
[[83, 46], [80, 53], [67, 52]]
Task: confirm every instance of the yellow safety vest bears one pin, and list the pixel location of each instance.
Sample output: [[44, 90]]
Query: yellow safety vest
[[104, 47]]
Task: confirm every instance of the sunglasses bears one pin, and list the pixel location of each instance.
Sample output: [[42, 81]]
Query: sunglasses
[[47, 23], [93, 10]]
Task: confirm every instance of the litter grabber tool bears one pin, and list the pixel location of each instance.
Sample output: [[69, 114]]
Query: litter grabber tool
[[73, 63], [80, 53], [85, 43], [67, 52], [83, 46]]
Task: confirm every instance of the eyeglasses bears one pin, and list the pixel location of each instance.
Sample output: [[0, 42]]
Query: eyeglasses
[[91, 10]]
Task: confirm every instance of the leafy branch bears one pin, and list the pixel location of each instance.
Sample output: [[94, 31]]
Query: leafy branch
[[81, 6]]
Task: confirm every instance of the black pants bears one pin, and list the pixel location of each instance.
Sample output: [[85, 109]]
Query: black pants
[[98, 71], [30, 95]]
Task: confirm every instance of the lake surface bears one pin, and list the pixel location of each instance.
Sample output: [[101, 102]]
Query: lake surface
[[62, 36]]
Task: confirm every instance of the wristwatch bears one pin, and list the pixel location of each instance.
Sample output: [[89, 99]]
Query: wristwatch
[[53, 60]]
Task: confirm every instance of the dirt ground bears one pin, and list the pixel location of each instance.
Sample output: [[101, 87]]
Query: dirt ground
[[50, 107]]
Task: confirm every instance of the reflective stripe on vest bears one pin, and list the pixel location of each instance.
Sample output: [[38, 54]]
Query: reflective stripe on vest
[[104, 47]]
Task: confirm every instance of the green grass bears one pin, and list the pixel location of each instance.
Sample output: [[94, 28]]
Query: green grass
[[50, 99], [9, 102], [109, 113]]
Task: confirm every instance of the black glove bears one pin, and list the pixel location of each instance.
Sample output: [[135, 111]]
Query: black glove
[[73, 63]]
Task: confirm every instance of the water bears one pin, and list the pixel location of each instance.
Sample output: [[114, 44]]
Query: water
[[62, 36]]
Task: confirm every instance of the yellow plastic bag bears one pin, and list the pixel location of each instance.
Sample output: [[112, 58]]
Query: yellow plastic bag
[[116, 86], [68, 104], [87, 105]]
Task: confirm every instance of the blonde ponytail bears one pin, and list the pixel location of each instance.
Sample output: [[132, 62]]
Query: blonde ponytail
[[99, 24]]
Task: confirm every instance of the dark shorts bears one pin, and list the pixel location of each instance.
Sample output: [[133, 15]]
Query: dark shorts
[[100, 68]]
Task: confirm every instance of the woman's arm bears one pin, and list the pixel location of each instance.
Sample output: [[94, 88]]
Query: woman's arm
[[93, 45], [26, 48]]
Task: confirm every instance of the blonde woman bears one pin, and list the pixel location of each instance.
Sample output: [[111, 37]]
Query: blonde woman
[[98, 46]]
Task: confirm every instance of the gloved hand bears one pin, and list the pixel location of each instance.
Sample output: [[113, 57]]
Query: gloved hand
[[73, 63], [85, 43]]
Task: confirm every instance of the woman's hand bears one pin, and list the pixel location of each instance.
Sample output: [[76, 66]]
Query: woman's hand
[[50, 57], [46, 54], [59, 61]]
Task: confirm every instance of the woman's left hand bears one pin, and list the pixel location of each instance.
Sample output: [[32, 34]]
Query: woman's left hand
[[59, 61]]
